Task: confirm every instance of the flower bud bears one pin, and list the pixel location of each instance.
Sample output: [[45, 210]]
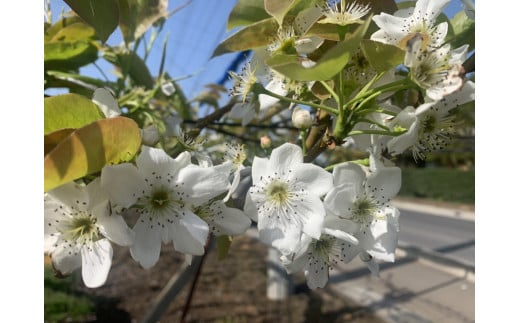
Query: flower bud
[[168, 88], [150, 135], [265, 142], [301, 118]]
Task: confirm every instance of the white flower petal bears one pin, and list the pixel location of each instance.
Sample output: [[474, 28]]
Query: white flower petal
[[147, 245], [349, 173], [285, 241], [260, 168], [64, 262], [340, 199], [312, 212], [122, 182], [202, 183], [250, 208], [115, 229], [386, 181], [70, 194], [314, 178], [106, 102], [317, 275], [96, 263], [190, 234], [232, 221], [155, 160], [285, 157]]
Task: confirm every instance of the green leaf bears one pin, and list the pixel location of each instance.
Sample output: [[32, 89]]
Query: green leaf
[[136, 16], [378, 6], [258, 34], [102, 15], [382, 57], [133, 65], [278, 8], [223, 244], [60, 24], [81, 80], [88, 149], [69, 55], [246, 12], [74, 32], [463, 30], [69, 111], [333, 61]]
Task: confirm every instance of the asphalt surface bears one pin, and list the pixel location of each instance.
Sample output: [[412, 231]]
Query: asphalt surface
[[432, 279]]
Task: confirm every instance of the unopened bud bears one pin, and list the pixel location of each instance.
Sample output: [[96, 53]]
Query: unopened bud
[[150, 135], [301, 118], [168, 88], [265, 142]]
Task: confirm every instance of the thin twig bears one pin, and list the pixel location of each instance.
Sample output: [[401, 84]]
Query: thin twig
[[174, 287]]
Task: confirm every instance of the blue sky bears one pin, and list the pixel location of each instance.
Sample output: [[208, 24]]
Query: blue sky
[[193, 33]]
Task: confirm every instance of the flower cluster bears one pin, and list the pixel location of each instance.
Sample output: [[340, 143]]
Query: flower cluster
[[319, 82]]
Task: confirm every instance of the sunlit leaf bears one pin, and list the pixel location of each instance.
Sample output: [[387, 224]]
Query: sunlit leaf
[[74, 32], [256, 35], [327, 66], [102, 15], [463, 31], [278, 8], [69, 55], [68, 111], [50, 31], [136, 16], [81, 80], [88, 149], [382, 57], [246, 12], [51, 140], [223, 244]]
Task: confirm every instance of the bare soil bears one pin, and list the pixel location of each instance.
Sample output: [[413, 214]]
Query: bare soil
[[232, 290]]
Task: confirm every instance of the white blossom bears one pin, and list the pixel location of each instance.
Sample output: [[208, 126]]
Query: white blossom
[[405, 24], [285, 197], [78, 229], [163, 191]]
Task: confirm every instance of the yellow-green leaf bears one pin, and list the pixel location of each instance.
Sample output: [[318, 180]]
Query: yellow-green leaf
[[246, 12], [51, 140], [327, 66], [258, 34], [463, 31], [223, 244], [278, 8], [74, 32], [60, 24], [88, 149], [68, 111], [102, 15], [382, 57], [68, 55], [136, 16]]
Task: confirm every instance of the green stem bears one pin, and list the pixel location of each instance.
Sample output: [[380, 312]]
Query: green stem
[[258, 88], [390, 87], [376, 132], [373, 122], [331, 91], [341, 96], [364, 162], [303, 133]]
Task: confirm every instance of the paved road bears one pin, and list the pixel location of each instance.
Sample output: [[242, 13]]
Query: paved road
[[449, 236], [414, 289]]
